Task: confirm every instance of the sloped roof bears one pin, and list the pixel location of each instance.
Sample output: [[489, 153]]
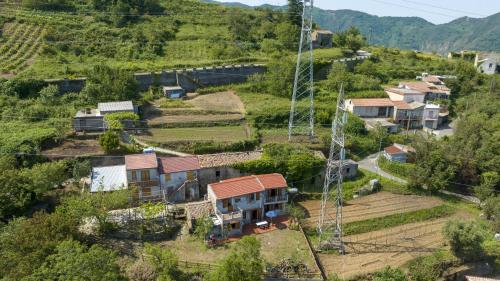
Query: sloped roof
[[425, 87], [372, 102], [393, 150], [116, 106], [178, 164], [401, 105], [108, 178], [404, 91], [431, 79], [141, 161], [247, 185]]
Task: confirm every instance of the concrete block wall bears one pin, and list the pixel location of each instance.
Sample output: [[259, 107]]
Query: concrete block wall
[[190, 79]]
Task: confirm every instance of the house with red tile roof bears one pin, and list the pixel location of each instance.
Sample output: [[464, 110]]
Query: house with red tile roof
[[244, 200], [142, 172], [395, 153]]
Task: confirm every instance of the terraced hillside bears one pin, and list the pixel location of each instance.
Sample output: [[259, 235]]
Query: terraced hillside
[[20, 43]]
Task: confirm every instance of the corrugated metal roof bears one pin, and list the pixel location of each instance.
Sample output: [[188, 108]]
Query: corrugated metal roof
[[247, 185], [141, 161], [116, 106], [108, 178], [179, 164]]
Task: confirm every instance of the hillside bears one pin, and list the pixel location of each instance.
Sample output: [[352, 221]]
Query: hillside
[[412, 32], [53, 42]]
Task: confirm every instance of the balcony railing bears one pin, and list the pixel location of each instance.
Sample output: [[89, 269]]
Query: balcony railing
[[278, 198], [150, 183], [229, 216]]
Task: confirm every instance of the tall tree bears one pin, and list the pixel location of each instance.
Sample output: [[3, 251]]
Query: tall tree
[[73, 261], [244, 263], [294, 11]]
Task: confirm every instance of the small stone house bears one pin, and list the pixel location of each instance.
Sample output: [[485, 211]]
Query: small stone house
[[322, 39], [395, 153]]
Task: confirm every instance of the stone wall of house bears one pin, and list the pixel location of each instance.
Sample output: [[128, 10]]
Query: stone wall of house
[[216, 174], [190, 79]]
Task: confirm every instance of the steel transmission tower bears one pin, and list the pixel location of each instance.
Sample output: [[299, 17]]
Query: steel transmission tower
[[330, 228], [302, 110]]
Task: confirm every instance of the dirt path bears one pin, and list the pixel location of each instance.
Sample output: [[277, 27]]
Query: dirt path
[[372, 206], [394, 247]]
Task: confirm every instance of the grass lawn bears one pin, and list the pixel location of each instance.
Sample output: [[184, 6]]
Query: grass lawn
[[275, 246], [220, 134]]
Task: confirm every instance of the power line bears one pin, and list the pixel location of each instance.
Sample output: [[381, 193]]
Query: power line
[[413, 8], [443, 8]]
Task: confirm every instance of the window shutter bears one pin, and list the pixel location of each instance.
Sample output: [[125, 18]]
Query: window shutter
[[257, 196]]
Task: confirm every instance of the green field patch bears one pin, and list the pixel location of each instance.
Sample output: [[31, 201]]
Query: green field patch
[[220, 134]]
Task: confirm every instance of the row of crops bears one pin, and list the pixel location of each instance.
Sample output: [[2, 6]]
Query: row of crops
[[19, 44]]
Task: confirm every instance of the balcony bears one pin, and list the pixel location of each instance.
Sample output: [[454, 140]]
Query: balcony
[[150, 183], [276, 199], [230, 216]]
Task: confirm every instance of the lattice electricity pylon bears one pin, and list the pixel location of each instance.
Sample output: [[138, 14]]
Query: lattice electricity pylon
[[302, 110], [330, 229]]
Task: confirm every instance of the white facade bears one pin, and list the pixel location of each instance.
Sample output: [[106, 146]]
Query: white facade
[[430, 119], [408, 96]]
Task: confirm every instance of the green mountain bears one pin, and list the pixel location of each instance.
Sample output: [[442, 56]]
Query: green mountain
[[416, 33], [411, 32]]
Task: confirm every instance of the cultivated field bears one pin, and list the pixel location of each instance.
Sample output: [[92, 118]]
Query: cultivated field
[[372, 206], [222, 134], [216, 107], [75, 147], [372, 251], [19, 45]]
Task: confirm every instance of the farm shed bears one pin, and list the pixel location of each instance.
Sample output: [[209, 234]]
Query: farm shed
[[174, 92]]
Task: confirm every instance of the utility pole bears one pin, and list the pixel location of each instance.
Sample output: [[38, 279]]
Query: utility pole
[[330, 229], [302, 109]]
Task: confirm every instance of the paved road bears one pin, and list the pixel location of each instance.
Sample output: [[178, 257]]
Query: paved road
[[370, 164]]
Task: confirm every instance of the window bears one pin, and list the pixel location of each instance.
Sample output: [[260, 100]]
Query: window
[[144, 175], [347, 170], [225, 203], [217, 173], [134, 175], [146, 191], [237, 200], [244, 215], [190, 175], [257, 196], [235, 225], [168, 177]]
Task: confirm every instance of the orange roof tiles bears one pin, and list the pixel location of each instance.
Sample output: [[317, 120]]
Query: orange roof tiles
[[141, 161], [179, 164], [247, 185], [431, 79], [372, 102], [401, 105], [392, 150]]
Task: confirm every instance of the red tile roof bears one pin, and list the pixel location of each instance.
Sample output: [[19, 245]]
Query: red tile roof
[[247, 185], [424, 87], [270, 181], [392, 150], [141, 161], [179, 164], [401, 105], [371, 102]]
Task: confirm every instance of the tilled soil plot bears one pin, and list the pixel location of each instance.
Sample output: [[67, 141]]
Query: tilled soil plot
[[372, 206], [393, 247]]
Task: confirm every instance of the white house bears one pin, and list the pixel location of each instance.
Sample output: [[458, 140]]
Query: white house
[[405, 94], [243, 200], [179, 177], [430, 118], [371, 108]]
